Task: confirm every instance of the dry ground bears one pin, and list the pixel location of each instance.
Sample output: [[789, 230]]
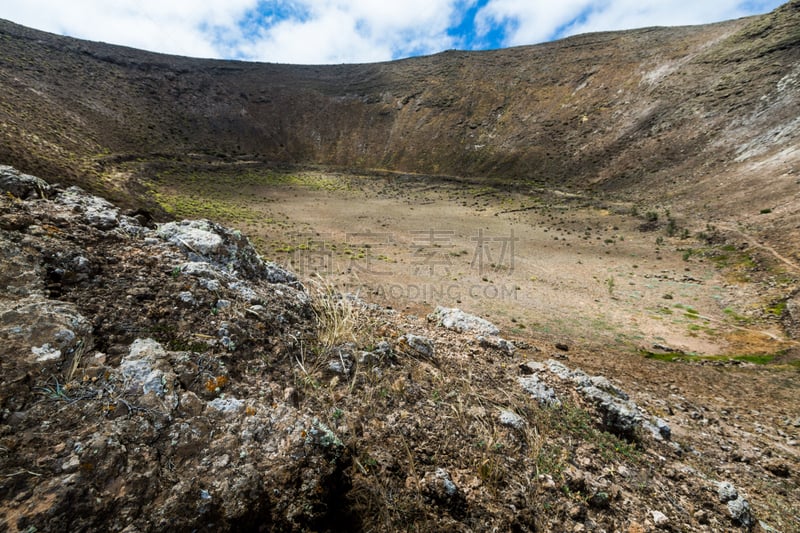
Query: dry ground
[[534, 261], [603, 277]]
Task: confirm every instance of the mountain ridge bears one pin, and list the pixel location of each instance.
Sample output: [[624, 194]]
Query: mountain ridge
[[603, 110]]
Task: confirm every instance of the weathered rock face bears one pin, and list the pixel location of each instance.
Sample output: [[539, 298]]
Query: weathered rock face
[[168, 378], [22, 185], [137, 375], [458, 320]]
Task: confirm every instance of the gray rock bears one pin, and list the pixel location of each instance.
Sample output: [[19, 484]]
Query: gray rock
[[497, 343], [457, 320], [227, 405], [344, 362], [276, 274], [132, 227], [228, 250], [245, 291], [659, 519], [740, 512], [94, 210], [621, 417], [658, 428], [187, 298], [201, 269], [726, 492], [543, 394], [511, 419], [559, 369], [209, 284], [49, 331], [440, 487], [21, 274], [22, 186], [443, 476], [532, 367], [602, 383], [383, 348], [139, 370], [420, 346]]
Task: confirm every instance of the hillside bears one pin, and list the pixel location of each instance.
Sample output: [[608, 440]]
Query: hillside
[[167, 377], [546, 288], [667, 113]]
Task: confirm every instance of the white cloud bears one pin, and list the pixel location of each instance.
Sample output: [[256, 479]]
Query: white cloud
[[170, 26], [335, 31], [527, 22]]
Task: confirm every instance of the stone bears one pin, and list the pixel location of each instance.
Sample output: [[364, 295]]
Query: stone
[[532, 367], [658, 428], [139, 370], [439, 487], [511, 419], [540, 391], [49, 331], [740, 512], [498, 344], [602, 383], [558, 369], [227, 250], [94, 210], [621, 417], [726, 492], [227, 405], [22, 186], [660, 520], [421, 346], [457, 320]]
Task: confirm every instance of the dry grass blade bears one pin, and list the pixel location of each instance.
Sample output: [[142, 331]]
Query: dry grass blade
[[339, 317]]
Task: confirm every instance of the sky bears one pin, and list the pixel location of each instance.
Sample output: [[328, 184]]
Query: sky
[[353, 31]]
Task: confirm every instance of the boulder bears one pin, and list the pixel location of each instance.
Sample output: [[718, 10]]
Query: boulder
[[208, 242], [457, 320], [21, 185]]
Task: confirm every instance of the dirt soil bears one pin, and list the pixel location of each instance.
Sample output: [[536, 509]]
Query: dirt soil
[[166, 377], [552, 262]]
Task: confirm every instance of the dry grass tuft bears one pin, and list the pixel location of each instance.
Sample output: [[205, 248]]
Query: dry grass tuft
[[339, 316]]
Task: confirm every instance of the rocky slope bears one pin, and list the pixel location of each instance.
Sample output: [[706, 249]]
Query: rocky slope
[[162, 376], [165, 375], [703, 117]]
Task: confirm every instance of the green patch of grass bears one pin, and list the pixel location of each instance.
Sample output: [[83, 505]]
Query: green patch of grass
[[757, 359], [201, 206], [777, 309], [692, 313], [734, 315], [659, 356]]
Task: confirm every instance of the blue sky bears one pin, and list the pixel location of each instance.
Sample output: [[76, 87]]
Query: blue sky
[[353, 31]]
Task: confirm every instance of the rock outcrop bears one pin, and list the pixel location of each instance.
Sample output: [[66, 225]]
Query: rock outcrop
[[166, 377], [134, 364]]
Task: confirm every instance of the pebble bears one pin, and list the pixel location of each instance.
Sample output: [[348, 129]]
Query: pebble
[[659, 519]]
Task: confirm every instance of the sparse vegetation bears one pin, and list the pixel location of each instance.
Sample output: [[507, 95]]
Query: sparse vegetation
[[373, 429]]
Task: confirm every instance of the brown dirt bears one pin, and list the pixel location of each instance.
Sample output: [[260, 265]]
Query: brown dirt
[[404, 439], [578, 267]]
